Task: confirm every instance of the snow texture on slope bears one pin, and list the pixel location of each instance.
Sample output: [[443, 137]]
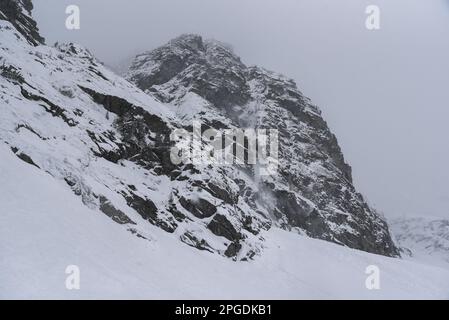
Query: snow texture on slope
[[44, 228]]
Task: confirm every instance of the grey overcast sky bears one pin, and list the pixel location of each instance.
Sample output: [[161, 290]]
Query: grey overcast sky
[[384, 93]]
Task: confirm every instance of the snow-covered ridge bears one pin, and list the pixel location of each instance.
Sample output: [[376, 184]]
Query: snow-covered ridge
[[423, 239]]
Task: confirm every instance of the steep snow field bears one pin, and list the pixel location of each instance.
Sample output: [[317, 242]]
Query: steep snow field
[[44, 228]]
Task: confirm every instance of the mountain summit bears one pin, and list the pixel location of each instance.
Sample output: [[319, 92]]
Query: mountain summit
[[313, 192]]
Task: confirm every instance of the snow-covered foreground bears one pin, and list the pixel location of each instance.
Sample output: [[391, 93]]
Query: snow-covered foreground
[[44, 228]]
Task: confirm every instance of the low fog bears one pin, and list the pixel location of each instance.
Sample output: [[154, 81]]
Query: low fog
[[384, 93]]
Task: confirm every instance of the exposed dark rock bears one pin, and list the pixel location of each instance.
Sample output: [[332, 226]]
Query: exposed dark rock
[[135, 124], [148, 211], [180, 217], [26, 158], [300, 214], [122, 108], [222, 194], [200, 208], [233, 249], [191, 240], [12, 74], [70, 182], [138, 235], [221, 226], [248, 225], [18, 12], [117, 215], [50, 107], [202, 65]]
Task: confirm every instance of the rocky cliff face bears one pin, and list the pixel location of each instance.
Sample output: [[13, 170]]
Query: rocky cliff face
[[313, 191], [18, 12], [109, 142]]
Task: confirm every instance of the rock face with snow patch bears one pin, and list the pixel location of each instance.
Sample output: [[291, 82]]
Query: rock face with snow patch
[[313, 192], [109, 142], [18, 12]]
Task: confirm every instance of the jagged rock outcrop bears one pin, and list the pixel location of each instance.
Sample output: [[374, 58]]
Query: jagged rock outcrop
[[313, 191], [108, 141], [18, 12]]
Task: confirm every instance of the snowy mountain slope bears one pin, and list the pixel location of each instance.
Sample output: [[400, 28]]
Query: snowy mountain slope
[[44, 228], [423, 239], [68, 115], [313, 191], [87, 181], [49, 120], [65, 113]]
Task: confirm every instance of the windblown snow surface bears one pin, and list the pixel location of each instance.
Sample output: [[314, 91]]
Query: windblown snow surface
[[44, 228]]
